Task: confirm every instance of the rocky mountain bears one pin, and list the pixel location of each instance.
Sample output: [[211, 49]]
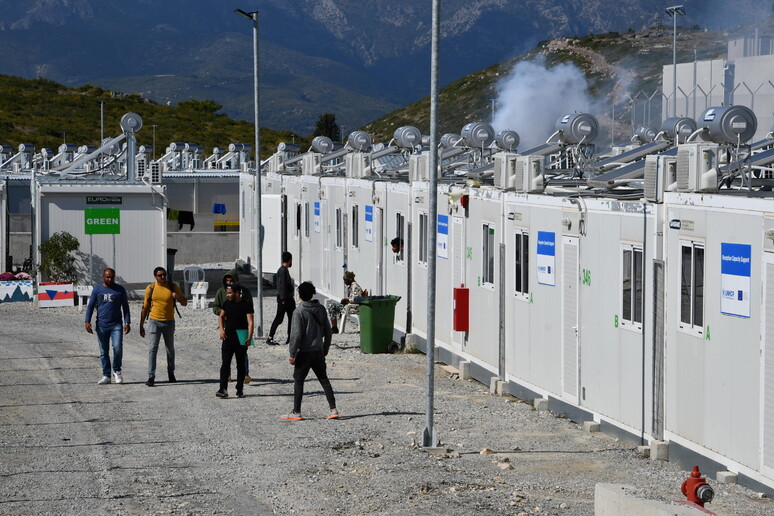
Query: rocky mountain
[[358, 59]]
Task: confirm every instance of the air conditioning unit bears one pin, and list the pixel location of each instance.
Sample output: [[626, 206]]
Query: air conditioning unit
[[310, 164], [504, 169], [356, 165], [418, 166], [696, 167], [141, 167], [152, 173], [660, 176]]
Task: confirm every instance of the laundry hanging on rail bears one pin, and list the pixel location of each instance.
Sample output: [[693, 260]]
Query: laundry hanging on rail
[[185, 217]]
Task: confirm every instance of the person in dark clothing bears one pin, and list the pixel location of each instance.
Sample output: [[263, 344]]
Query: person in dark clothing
[[310, 340], [285, 302], [237, 314], [230, 277], [110, 300]]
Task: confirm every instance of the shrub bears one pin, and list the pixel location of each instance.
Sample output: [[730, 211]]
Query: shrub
[[57, 261]]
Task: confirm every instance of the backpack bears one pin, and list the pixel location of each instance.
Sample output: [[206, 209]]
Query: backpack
[[150, 298]]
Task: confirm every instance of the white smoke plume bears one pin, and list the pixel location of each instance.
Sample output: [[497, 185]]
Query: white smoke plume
[[532, 98]]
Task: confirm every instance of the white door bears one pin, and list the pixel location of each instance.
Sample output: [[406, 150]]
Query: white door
[[767, 367], [458, 269], [570, 351], [271, 220]]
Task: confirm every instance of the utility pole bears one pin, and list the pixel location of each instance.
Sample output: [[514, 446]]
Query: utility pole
[[429, 437], [253, 16], [674, 11]]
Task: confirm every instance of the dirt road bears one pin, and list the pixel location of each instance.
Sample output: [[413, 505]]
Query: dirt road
[[70, 446]]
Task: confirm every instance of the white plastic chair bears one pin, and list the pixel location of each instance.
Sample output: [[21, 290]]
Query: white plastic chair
[[199, 294], [191, 274]]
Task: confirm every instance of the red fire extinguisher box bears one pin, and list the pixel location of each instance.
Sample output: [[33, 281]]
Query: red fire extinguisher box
[[461, 309]]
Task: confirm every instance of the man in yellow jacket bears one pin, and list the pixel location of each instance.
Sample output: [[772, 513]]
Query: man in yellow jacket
[[159, 308]]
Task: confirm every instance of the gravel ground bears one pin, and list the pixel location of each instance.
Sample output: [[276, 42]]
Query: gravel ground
[[70, 446]]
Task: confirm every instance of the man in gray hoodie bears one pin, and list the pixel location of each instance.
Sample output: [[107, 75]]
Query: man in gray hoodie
[[310, 340]]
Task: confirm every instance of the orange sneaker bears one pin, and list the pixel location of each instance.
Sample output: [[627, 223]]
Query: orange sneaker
[[292, 417]]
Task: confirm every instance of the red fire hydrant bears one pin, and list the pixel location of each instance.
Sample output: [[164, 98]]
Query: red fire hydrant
[[696, 488]]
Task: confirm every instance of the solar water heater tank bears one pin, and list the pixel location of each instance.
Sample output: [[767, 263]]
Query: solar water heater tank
[[450, 140], [322, 144], [507, 140], [359, 140], [288, 147], [478, 134], [644, 134], [728, 124], [238, 147], [407, 136], [578, 128], [678, 128]]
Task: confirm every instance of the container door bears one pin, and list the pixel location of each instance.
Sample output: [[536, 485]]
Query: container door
[[767, 373], [271, 222], [570, 351], [458, 269]]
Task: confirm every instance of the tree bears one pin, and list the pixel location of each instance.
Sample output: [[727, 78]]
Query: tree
[[57, 262], [326, 126]]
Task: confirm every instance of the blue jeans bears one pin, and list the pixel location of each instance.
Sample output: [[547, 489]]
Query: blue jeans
[[155, 330], [104, 335]]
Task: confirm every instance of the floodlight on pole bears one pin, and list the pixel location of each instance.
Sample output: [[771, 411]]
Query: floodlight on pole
[[253, 17], [674, 12]]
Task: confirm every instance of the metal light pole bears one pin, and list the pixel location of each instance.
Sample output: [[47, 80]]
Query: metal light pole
[[429, 437], [493, 108], [101, 122], [674, 11], [253, 16], [154, 141]]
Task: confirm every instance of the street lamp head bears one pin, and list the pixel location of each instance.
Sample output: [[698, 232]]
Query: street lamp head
[[675, 10], [249, 16]]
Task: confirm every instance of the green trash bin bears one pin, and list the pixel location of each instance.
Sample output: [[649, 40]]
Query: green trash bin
[[377, 317]]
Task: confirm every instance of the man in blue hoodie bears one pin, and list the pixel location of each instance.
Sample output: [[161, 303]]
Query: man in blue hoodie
[[310, 340], [109, 299]]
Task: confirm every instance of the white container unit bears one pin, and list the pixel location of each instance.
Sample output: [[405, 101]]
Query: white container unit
[[483, 233], [137, 219], [533, 319], [397, 224], [272, 221], [719, 392], [616, 243], [334, 224], [366, 247]]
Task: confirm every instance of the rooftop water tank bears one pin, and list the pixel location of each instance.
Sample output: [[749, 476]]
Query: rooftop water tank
[[450, 140], [728, 124], [578, 128], [478, 134], [288, 147], [240, 147], [359, 140], [644, 134], [677, 128], [407, 136], [26, 147], [322, 144], [507, 140]]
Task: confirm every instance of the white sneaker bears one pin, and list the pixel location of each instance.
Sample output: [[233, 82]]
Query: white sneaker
[[104, 380], [119, 378]]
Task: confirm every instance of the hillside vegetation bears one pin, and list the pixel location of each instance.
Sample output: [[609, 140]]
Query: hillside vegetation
[[47, 114]]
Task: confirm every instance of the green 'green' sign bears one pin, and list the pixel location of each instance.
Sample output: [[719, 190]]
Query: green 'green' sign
[[102, 221]]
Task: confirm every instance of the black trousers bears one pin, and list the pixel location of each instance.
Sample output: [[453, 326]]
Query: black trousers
[[228, 350], [283, 308], [314, 360]]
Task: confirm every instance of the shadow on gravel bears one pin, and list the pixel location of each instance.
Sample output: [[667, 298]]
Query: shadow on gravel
[[375, 414]]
